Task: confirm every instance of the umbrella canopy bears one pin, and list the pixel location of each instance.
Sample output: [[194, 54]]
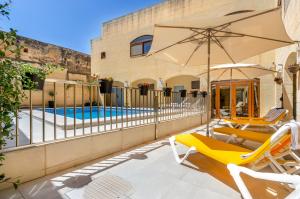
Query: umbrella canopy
[[233, 38], [218, 38], [236, 71]]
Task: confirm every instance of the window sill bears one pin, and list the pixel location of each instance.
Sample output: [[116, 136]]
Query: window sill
[[137, 56]]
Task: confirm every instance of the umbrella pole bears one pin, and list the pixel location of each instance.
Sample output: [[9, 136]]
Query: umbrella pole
[[230, 94], [208, 82]]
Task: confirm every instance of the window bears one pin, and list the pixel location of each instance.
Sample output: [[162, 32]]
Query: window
[[141, 45], [103, 55], [196, 84]]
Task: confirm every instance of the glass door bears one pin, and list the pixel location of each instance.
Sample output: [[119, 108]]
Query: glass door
[[242, 101], [256, 107], [224, 101], [213, 102]]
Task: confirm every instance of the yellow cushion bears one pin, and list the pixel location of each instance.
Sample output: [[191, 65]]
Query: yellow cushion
[[215, 149], [257, 121], [249, 135]]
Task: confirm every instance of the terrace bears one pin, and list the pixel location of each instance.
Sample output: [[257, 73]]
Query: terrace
[[146, 171], [121, 143]]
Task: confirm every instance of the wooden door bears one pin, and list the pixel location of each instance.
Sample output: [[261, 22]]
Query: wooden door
[[244, 98]]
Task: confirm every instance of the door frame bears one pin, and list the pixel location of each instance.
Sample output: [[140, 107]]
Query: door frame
[[234, 84]]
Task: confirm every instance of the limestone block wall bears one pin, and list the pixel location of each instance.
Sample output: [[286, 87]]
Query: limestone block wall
[[37, 52], [77, 67], [61, 75], [288, 55], [118, 33]]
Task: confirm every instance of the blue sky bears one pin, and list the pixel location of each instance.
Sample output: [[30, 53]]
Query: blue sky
[[67, 23]]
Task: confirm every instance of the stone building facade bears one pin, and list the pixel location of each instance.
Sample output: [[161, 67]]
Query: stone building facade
[[76, 67], [111, 54], [37, 52], [289, 55]]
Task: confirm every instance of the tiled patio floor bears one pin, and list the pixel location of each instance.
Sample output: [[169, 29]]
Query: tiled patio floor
[[146, 172]]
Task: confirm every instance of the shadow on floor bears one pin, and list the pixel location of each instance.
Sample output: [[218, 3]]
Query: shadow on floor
[[260, 189]]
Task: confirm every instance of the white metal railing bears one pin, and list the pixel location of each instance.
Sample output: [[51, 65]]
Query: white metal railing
[[80, 109]]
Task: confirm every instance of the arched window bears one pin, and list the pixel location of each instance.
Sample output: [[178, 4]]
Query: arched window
[[141, 45]]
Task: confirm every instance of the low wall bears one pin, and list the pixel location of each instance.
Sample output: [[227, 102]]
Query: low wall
[[29, 163]]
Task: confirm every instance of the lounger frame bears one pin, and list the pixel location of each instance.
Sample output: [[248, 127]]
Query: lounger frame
[[274, 161], [175, 153], [293, 180], [274, 125], [192, 149]]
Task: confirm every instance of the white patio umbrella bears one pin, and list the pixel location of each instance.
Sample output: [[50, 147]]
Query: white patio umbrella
[[236, 71], [218, 38]]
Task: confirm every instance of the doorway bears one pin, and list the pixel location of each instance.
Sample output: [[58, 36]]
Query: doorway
[[177, 89], [119, 99], [242, 100]]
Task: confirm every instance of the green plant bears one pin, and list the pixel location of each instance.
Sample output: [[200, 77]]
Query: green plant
[[41, 73], [92, 81], [51, 103], [11, 93], [51, 94], [110, 79], [278, 80]]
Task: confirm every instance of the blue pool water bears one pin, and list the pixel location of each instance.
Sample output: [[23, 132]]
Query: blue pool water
[[113, 111]]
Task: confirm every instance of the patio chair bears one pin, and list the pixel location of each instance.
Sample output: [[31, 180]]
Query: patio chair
[[292, 180], [272, 119], [278, 153], [234, 134], [269, 114], [228, 153]]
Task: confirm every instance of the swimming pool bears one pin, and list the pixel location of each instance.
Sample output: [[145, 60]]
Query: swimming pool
[[102, 112]]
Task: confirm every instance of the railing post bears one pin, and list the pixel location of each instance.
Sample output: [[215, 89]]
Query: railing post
[[43, 104], [98, 107], [54, 98], [65, 111], [126, 106], [17, 128], [30, 118], [110, 110], [116, 107], [82, 106], [91, 108], [122, 106], [155, 108], [74, 111], [104, 101]]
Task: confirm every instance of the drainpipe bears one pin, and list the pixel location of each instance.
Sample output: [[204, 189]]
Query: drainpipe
[[294, 70]]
